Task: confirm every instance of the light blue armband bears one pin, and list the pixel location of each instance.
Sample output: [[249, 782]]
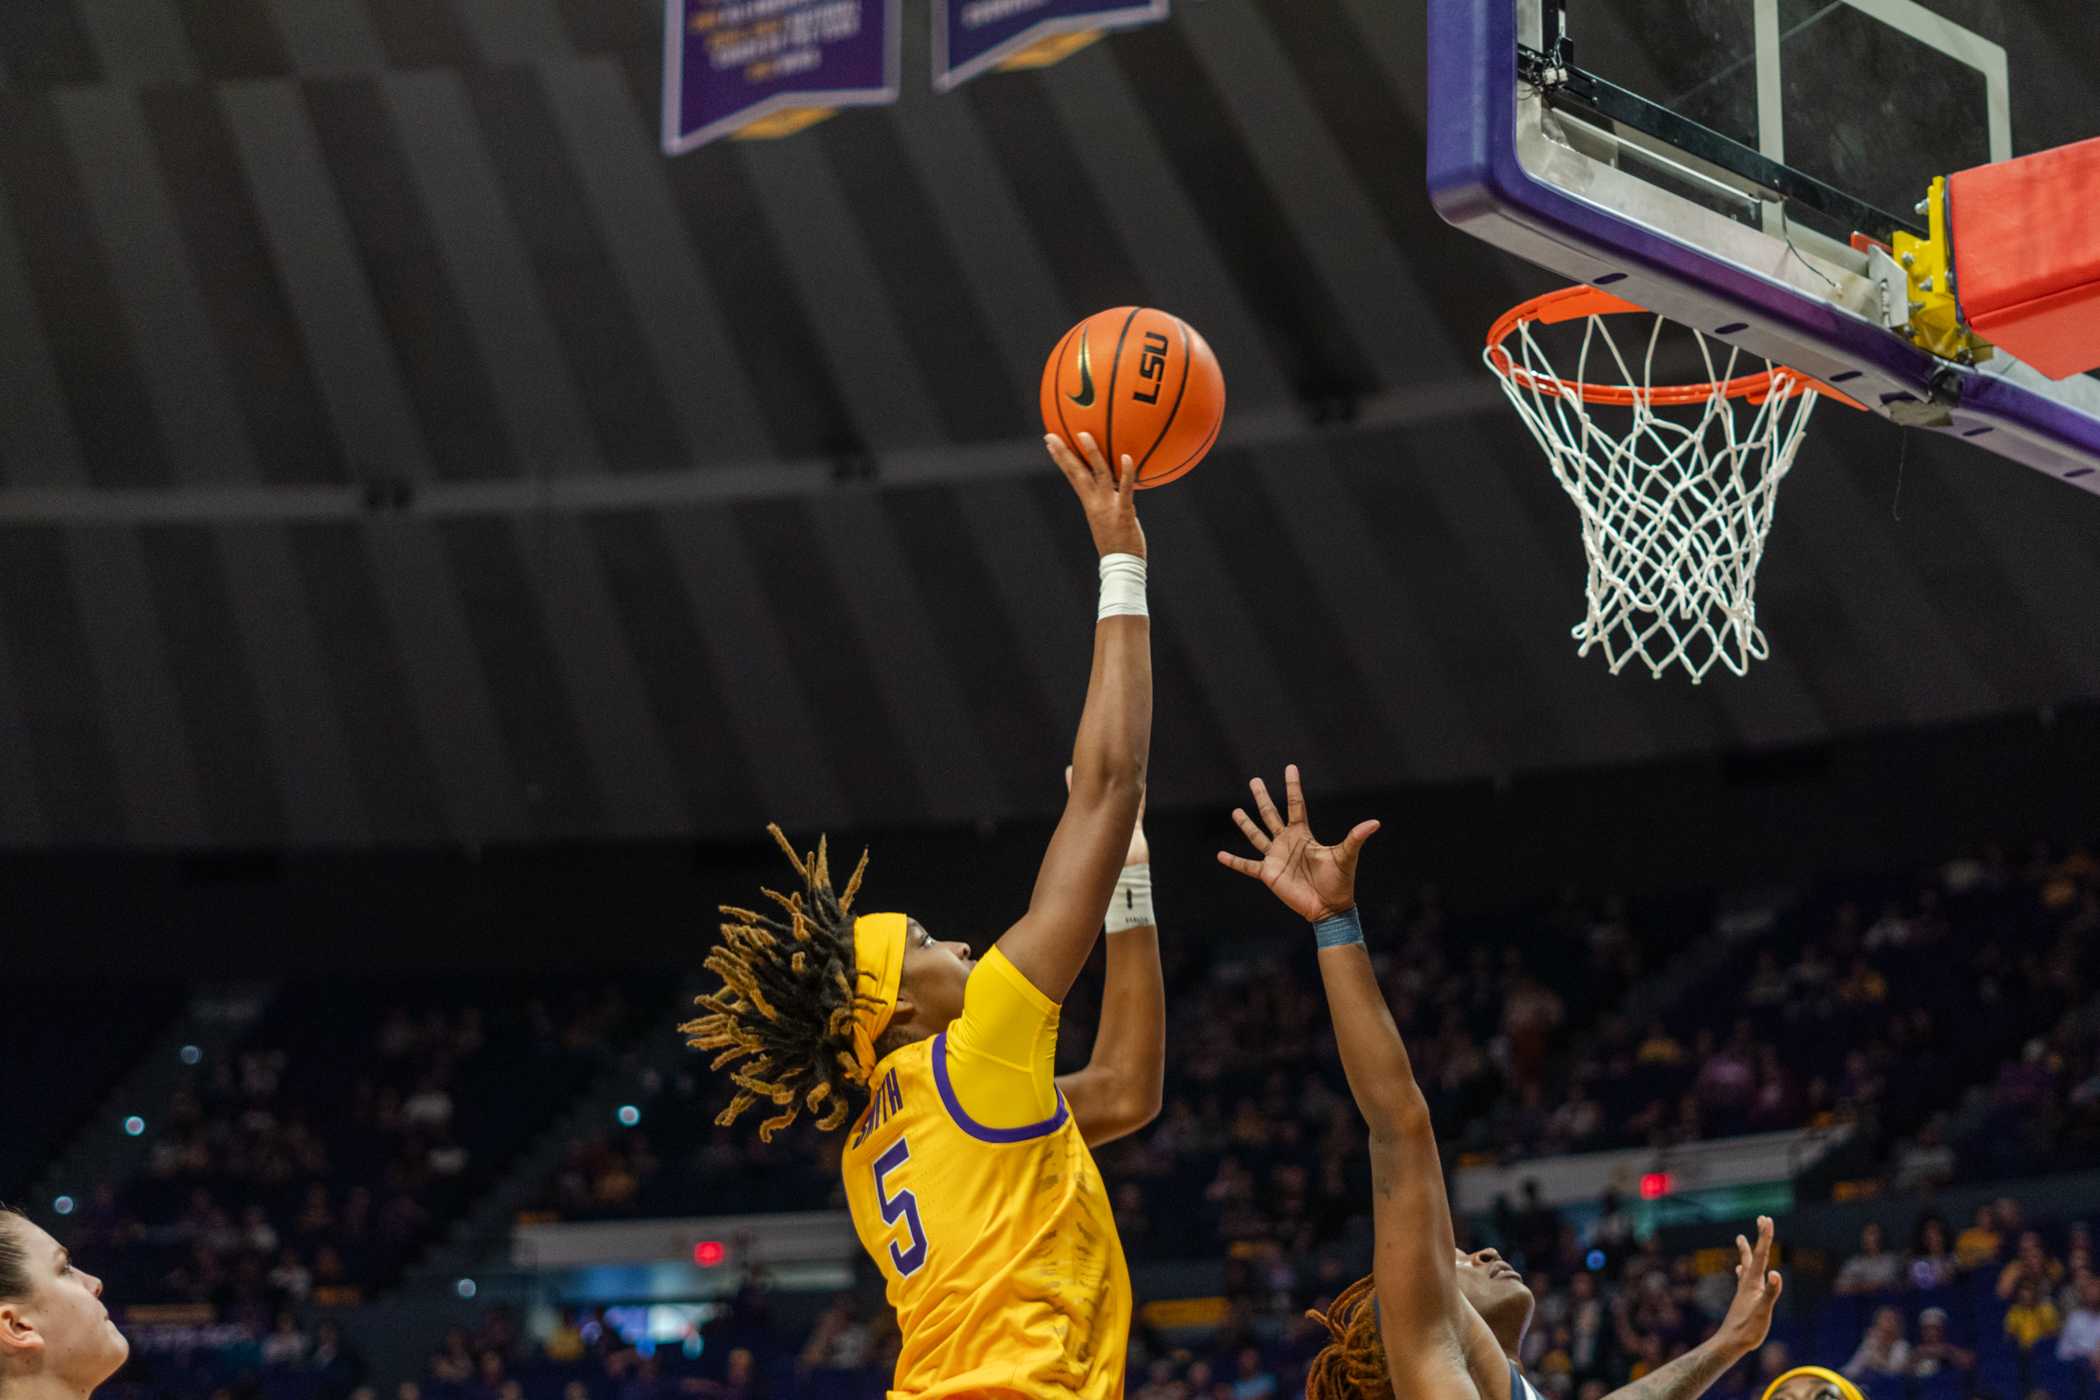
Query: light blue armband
[[1339, 930]]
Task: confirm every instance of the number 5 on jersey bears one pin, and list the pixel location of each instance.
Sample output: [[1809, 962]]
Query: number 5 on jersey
[[905, 1206]]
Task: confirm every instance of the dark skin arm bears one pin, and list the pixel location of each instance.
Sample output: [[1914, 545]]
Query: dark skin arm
[[1436, 1345], [1119, 1090], [1050, 943]]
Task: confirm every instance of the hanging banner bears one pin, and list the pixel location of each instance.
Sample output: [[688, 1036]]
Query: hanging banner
[[758, 68], [970, 36]]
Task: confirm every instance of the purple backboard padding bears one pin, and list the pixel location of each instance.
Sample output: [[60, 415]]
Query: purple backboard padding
[[1477, 182]]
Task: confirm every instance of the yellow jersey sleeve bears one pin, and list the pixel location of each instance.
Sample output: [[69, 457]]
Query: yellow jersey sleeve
[[1002, 1051]]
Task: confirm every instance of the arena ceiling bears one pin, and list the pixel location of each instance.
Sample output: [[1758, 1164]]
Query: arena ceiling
[[395, 448]]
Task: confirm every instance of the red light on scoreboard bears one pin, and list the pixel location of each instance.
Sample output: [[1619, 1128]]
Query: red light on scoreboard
[[1655, 1184], [709, 1253]]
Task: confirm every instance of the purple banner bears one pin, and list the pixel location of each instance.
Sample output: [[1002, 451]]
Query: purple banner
[[729, 63], [970, 36]]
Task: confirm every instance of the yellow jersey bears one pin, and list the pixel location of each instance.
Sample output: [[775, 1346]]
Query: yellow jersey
[[975, 1195]]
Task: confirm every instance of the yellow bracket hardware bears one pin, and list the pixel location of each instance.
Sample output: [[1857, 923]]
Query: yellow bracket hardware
[[1935, 322]]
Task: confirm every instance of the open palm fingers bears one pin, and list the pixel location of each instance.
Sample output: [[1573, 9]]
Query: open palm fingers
[[1266, 806], [1256, 837]]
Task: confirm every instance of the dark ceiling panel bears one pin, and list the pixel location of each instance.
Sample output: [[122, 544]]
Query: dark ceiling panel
[[215, 689], [406, 277], [258, 337], [45, 41], [403, 450], [82, 316], [77, 784], [364, 669], [593, 322]]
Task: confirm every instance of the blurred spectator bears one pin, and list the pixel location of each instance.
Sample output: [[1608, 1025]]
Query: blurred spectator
[[1925, 1161], [2030, 1264], [739, 1380], [1882, 1352], [1979, 1244], [840, 1340], [1933, 1353], [452, 1363], [2032, 1318], [1660, 1048], [338, 1367], [565, 1341], [1932, 1260], [1872, 1270], [1253, 1380], [286, 1346], [2080, 1340]]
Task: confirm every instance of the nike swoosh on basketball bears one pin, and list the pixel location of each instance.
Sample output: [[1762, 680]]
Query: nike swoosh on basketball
[[1085, 397]]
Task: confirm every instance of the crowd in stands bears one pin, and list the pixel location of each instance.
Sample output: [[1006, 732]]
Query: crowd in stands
[[308, 1165], [1254, 1085], [1950, 1020], [2000, 1309], [1895, 1023], [1998, 1300], [1865, 1005]]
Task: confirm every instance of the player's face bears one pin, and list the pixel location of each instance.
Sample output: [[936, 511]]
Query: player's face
[[1498, 1293], [62, 1317], [934, 975]]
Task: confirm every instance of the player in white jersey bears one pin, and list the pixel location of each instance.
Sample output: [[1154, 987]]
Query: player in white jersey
[[1431, 1322]]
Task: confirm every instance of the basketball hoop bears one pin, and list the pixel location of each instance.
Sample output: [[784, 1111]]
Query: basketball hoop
[[1675, 505]]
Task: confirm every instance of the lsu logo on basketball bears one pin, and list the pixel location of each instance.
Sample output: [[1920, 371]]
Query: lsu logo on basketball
[[1152, 368]]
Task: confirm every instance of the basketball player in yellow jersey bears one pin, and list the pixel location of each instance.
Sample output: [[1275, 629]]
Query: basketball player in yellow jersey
[[967, 1165]]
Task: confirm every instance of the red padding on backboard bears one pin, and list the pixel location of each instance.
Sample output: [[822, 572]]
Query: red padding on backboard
[[2027, 255]]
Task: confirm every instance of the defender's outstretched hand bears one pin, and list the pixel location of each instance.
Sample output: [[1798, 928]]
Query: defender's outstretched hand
[[1313, 880], [1757, 1290], [1107, 493]]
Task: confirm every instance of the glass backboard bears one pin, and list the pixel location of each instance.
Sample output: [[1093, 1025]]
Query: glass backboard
[[1713, 159]]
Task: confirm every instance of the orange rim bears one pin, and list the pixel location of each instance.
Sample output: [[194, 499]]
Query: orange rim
[[1574, 303]]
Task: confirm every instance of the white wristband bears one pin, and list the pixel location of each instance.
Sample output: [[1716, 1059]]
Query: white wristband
[[1131, 905], [1122, 587]]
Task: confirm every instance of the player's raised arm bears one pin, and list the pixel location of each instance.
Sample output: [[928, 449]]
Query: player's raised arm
[[1119, 1090], [1051, 942], [1435, 1344], [1742, 1331]]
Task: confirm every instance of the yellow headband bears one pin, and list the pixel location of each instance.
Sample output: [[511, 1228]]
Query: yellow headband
[[1845, 1387], [878, 958]]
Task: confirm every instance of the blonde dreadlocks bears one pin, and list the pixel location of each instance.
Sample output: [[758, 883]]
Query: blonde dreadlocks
[[1352, 1365], [788, 996]]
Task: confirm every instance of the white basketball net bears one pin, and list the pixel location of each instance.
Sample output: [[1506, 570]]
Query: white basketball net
[[1674, 508]]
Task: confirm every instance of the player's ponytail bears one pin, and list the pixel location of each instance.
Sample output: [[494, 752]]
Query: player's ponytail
[[782, 1021], [1352, 1365]]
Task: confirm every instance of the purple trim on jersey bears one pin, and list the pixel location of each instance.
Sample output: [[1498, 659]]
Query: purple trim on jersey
[[970, 1125]]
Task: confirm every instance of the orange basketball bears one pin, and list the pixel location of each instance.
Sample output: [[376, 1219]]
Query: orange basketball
[[1143, 383]]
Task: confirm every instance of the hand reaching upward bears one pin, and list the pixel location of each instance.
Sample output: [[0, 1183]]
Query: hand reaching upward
[[1313, 880], [1757, 1287], [1108, 494]]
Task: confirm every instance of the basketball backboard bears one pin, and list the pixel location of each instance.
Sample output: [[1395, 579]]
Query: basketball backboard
[[1712, 159]]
